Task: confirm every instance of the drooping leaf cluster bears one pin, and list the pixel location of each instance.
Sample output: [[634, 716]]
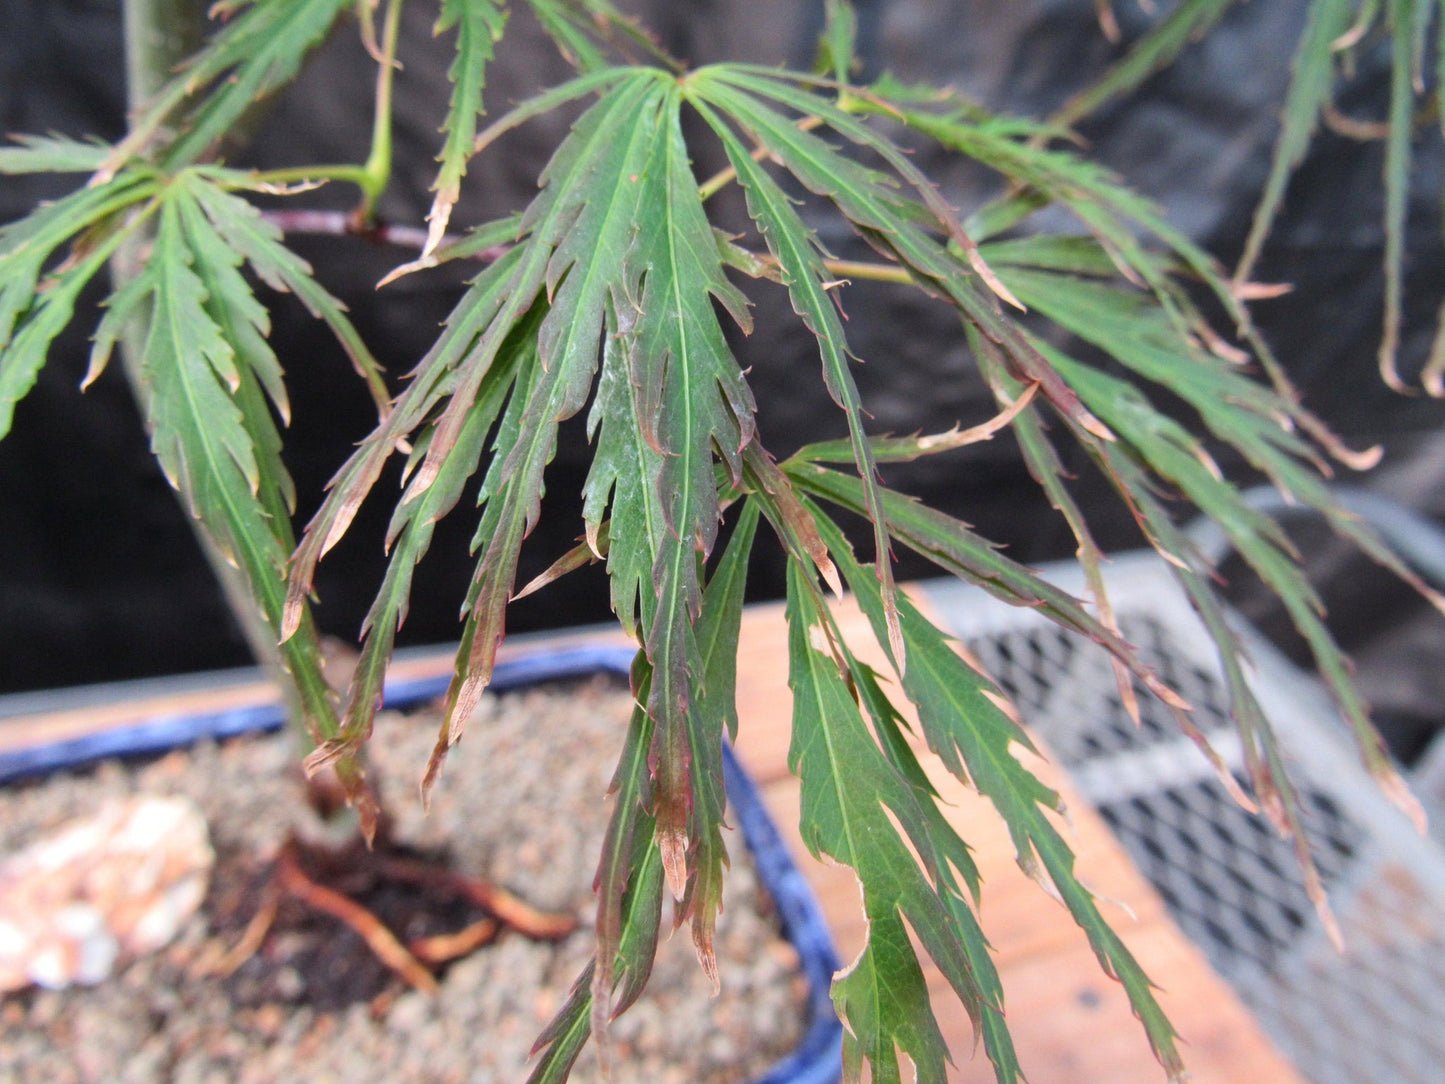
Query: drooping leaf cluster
[[1335, 34], [612, 296], [1335, 42]]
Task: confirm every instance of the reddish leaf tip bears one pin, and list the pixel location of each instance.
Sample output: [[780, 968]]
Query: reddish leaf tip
[[707, 957], [293, 611], [369, 813], [323, 756], [672, 842], [830, 573], [1400, 795]]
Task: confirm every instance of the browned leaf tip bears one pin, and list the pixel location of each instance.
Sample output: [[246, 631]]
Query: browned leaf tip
[[324, 756], [1400, 795], [702, 942], [1108, 23], [434, 768], [672, 843], [573, 559]]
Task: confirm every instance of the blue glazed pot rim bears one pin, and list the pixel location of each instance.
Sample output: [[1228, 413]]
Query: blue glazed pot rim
[[816, 1060]]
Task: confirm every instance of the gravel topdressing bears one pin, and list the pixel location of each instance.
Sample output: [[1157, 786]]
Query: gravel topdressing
[[522, 803]]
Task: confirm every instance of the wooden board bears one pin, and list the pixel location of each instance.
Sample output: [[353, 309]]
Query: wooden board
[[1072, 1024]]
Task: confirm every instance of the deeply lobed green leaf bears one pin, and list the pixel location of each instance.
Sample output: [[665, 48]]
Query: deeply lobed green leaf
[[259, 50], [38, 290], [202, 365], [1186, 22], [479, 27], [800, 262], [849, 790], [243, 228], [948, 858]]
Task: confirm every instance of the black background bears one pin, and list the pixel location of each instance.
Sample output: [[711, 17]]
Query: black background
[[99, 575]]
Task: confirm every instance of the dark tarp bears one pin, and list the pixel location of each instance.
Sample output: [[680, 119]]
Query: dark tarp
[[100, 576]]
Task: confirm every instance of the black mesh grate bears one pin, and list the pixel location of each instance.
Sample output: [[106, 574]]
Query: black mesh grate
[[1230, 881], [1232, 884]]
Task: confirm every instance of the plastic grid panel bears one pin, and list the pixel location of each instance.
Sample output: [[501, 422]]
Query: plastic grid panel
[[1374, 1014], [1034, 663], [1231, 883]]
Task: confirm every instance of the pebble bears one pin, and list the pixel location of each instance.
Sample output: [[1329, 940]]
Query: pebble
[[105, 888]]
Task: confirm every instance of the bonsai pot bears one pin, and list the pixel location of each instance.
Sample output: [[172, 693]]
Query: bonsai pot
[[811, 959]]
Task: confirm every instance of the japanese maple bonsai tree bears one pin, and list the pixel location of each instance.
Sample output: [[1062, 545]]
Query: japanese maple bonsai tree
[[610, 292]]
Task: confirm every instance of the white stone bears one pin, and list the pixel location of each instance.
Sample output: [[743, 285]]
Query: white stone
[[100, 890]]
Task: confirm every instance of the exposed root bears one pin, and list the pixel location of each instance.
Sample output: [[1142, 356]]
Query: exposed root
[[294, 880], [445, 947], [329, 880], [253, 937], [508, 908]]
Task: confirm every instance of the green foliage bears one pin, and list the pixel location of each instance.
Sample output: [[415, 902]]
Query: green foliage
[[612, 287], [259, 49], [1184, 23], [1336, 32], [478, 27]]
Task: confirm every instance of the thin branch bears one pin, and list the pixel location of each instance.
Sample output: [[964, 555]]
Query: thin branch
[[344, 224], [348, 172], [159, 35]]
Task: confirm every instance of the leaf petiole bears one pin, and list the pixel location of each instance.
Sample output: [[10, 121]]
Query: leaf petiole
[[376, 173], [373, 176]]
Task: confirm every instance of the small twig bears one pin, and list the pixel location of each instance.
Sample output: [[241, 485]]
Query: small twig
[[344, 224], [378, 938], [376, 173]]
